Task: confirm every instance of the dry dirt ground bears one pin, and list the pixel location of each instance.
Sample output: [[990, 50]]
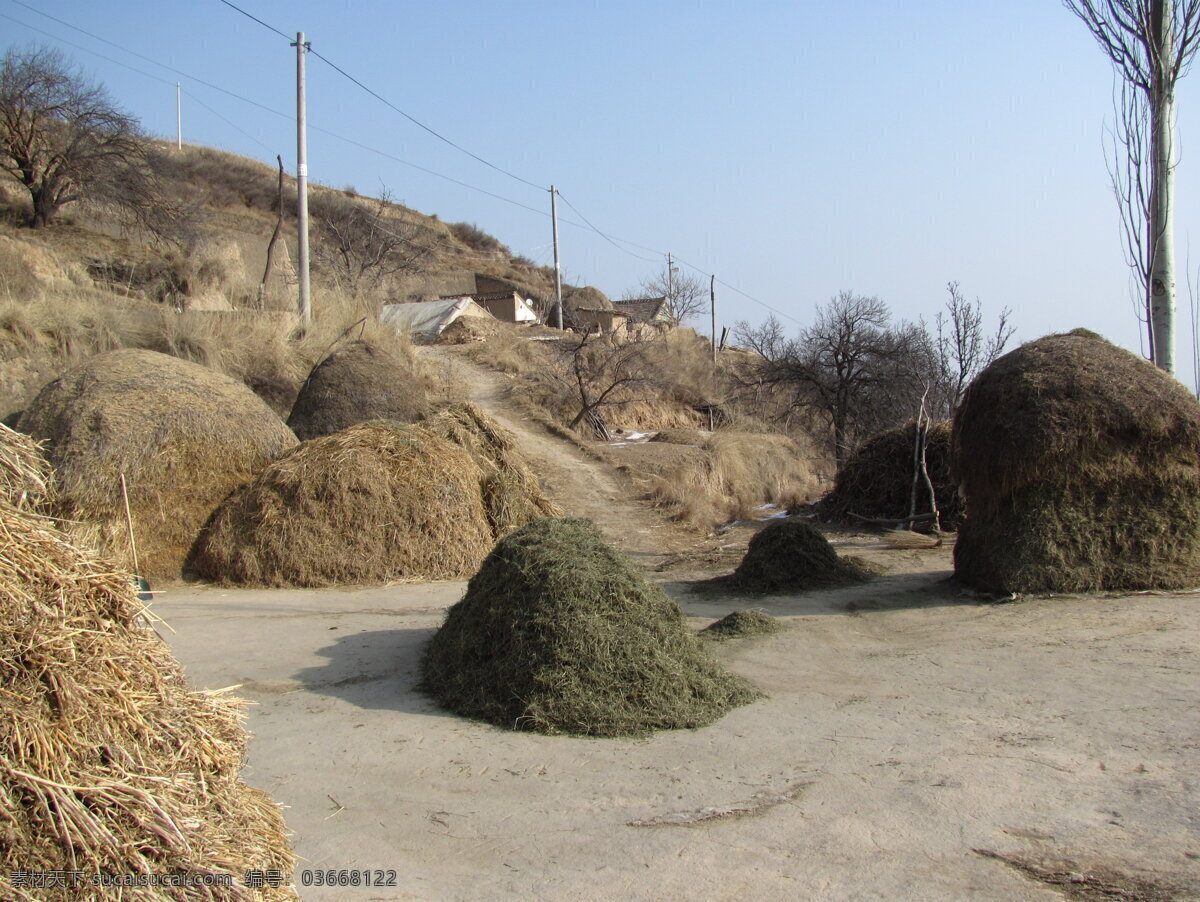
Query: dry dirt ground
[[916, 743]]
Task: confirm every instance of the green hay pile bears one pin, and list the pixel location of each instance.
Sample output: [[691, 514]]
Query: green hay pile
[[511, 493], [183, 435], [358, 382], [560, 633], [741, 625], [876, 481], [373, 503], [109, 763], [1080, 468], [791, 555]]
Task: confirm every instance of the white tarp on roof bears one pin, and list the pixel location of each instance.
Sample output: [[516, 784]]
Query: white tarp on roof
[[426, 320]]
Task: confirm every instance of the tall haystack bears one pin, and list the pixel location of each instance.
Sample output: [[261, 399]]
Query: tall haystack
[[560, 633], [373, 503], [877, 480], [791, 555], [109, 764], [1079, 464], [359, 381], [183, 435], [512, 495]]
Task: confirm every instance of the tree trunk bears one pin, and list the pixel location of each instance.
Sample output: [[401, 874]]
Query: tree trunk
[[43, 209], [1162, 237]]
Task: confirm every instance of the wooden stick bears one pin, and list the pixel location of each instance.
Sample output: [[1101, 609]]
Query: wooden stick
[[129, 525]]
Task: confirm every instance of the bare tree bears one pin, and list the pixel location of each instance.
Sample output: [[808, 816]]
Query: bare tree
[[360, 242], [856, 368], [603, 371], [63, 137], [686, 295], [961, 349], [1151, 44], [1129, 171]]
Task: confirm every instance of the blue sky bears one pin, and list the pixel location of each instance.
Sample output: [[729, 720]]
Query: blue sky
[[794, 149]]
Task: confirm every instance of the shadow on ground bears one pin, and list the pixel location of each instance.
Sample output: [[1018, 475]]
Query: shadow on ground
[[375, 669], [906, 591]]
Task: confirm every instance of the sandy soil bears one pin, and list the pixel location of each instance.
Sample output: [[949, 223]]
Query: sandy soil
[[916, 743]]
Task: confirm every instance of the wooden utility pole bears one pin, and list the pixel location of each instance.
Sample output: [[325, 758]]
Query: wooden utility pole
[[712, 307], [670, 282], [558, 317], [302, 181], [178, 120]]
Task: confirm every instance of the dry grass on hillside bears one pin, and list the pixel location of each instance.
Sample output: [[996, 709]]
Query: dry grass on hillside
[[52, 318], [726, 478]]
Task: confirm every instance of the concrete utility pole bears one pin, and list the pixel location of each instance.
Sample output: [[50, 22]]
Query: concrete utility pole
[[712, 306], [178, 120], [558, 317], [302, 181]]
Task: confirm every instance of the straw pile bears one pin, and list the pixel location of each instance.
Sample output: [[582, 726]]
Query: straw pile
[[360, 381], [511, 493], [742, 624], [25, 474], [1078, 462], [183, 435], [560, 633], [467, 329], [374, 503], [876, 482], [790, 555], [108, 763]]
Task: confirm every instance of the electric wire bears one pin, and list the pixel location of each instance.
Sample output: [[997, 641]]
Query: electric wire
[[587, 224], [602, 234], [422, 125], [115, 62], [258, 20], [154, 62], [233, 125]]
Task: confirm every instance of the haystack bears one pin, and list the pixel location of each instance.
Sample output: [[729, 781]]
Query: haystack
[[742, 624], [108, 763], [877, 480], [791, 555], [511, 493], [183, 435], [373, 503], [1079, 463], [359, 381], [560, 633]]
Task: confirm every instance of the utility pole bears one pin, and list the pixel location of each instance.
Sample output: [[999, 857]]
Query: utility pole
[[558, 317], [670, 282], [712, 306], [178, 120], [302, 182]]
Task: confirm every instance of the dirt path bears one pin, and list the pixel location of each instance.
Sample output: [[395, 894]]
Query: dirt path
[[580, 484]]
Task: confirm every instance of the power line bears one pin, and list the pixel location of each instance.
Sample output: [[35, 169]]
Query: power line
[[254, 103], [154, 62], [589, 225], [422, 125], [258, 20], [86, 50], [229, 122], [602, 235]]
